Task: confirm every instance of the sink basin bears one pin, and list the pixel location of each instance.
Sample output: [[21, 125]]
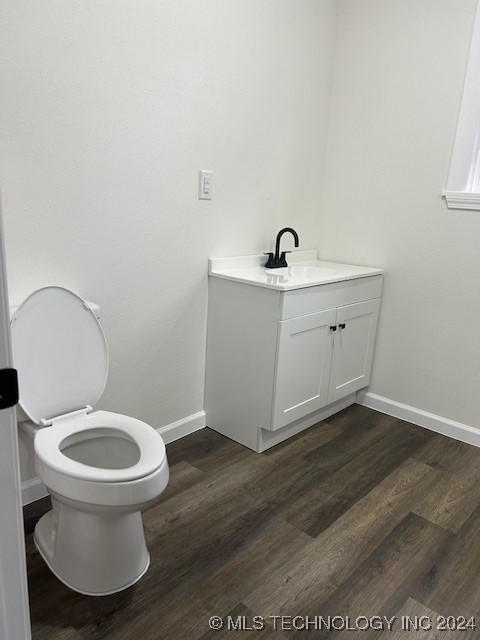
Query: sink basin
[[305, 270], [302, 272]]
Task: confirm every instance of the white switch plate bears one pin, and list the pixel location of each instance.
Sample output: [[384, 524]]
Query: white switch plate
[[205, 185]]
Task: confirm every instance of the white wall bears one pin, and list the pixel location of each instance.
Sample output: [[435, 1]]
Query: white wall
[[399, 72], [108, 110]]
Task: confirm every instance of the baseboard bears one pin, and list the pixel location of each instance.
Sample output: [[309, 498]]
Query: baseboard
[[32, 490], [446, 427], [183, 427], [35, 489]]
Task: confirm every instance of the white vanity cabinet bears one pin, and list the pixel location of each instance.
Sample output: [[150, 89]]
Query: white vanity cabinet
[[321, 358], [278, 361]]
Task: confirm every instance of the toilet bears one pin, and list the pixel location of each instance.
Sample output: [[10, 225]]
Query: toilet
[[100, 468]]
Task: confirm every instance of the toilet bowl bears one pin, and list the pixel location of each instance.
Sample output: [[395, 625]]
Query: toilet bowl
[[101, 468]]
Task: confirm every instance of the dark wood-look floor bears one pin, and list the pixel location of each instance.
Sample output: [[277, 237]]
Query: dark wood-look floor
[[361, 515]]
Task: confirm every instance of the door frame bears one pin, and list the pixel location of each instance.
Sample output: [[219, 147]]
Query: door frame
[[14, 608]]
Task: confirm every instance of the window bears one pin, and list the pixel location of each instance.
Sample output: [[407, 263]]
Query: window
[[463, 185]]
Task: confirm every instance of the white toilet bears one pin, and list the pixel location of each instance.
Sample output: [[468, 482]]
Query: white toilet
[[101, 468]]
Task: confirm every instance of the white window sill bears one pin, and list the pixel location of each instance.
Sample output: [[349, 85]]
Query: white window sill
[[462, 200]]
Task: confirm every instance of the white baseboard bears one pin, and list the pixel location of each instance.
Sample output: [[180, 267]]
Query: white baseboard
[[446, 427], [35, 489], [32, 490], [183, 427]]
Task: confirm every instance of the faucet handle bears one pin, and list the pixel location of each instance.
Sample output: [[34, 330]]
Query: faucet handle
[[283, 261], [271, 260]]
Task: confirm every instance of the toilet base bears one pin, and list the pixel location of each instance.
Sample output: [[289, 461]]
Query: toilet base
[[96, 555], [88, 593]]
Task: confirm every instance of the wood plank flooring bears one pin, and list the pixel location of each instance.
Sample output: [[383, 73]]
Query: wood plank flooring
[[362, 515]]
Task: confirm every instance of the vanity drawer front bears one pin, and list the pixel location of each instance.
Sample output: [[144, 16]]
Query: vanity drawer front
[[301, 302]]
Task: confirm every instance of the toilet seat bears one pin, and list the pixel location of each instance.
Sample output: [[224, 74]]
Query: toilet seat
[[151, 446], [60, 353]]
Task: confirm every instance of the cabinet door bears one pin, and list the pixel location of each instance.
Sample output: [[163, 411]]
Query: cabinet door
[[353, 348], [304, 353]]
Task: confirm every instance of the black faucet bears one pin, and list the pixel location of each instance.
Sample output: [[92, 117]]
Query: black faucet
[[277, 261]]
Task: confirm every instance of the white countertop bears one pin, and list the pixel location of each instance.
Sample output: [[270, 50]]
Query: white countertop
[[304, 270]]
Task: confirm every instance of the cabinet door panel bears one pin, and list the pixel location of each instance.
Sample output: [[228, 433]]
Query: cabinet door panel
[[353, 348], [304, 353]]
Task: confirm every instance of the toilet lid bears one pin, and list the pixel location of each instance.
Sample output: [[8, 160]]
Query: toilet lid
[[60, 353]]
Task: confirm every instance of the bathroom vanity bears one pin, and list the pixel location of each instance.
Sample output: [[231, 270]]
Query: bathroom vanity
[[286, 347]]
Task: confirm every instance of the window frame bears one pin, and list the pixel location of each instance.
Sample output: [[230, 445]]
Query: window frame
[[463, 184]]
